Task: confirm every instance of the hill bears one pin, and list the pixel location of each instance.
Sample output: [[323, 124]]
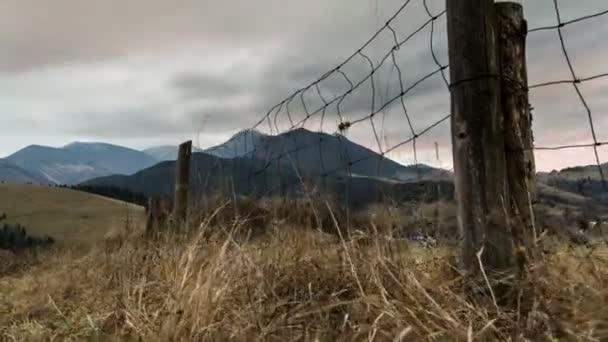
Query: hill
[[580, 172], [208, 173], [64, 214], [10, 173], [78, 162], [581, 180]]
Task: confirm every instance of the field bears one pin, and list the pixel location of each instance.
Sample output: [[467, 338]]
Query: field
[[291, 282], [68, 216]]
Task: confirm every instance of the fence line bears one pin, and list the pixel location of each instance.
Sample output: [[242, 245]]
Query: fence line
[[334, 104], [389, 58]]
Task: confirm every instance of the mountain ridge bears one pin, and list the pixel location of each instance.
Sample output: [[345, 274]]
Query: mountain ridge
[[77, 162], [238, 145], [10, 173], [279, 165]]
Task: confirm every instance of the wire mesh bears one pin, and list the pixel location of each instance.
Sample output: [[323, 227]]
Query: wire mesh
[[575, 80], [298, 149], [295, 155]]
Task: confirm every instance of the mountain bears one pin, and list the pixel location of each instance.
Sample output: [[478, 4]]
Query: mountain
[[268, 170], [239, 145], [311, 153], [243, 176], [10, 173], [315, 153], [78, 162]]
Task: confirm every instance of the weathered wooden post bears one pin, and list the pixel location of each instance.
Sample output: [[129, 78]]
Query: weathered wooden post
[[478, 138], [182, 183], [519, 141]]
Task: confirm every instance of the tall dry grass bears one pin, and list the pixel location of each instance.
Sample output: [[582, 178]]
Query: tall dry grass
[[289, 283]]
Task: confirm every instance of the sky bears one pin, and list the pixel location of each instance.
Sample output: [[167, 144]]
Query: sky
[[142, 73]]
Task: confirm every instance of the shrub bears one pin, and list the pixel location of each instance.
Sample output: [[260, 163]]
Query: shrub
[[15, 238]]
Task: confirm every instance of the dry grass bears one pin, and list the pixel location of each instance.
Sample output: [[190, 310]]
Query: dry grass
[[289, 283], [66, 215]]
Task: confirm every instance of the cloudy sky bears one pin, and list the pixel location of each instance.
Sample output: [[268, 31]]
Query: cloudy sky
[[147, 72]]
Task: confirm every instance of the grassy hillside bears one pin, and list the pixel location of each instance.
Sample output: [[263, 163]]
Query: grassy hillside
[[581, 180], [268, 275], [292, 285], [64, 214]]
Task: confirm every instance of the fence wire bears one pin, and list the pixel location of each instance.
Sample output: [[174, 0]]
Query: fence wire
[[575, 81], [282, 167], [269, 161]]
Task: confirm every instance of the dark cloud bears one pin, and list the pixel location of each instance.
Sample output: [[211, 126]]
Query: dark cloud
[[154, 69], [194, 85], [142, 122], [36, 34]]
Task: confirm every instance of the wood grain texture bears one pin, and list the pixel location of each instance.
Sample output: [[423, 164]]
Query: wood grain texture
[[477, 135], [519, 141]]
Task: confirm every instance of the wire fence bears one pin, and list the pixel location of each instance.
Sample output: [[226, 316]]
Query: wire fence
[[575, 81], [290, 154], [325, 151]]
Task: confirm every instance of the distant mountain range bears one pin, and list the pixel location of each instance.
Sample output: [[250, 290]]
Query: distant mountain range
[[245, 176], [310, 153], [77, 162], [254, 163], [276, 165]]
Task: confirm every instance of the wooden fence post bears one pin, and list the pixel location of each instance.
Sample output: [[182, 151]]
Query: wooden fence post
[[519, 141], [182, 183], [477, 137]]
